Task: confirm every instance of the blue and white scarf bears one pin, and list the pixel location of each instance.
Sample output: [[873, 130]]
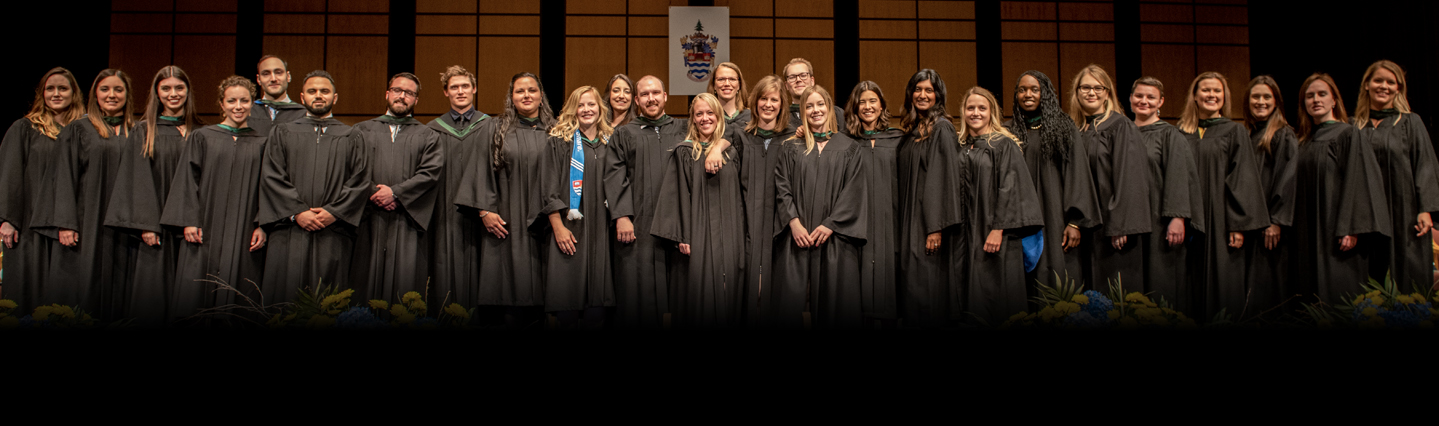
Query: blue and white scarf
[[577, 176]]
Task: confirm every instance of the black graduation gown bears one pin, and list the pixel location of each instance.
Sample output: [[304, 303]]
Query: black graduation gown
[[879, 257], [1231, 200], [140, 191], [392, 246], [929, 201], [998, 195], [1174, 193], [705, 211], [1338, 191], [455, 237], [1410, 171], [822, 188], [584, 279], [757, 162], [634, 173], [217, 188], [26, 156], [733, 126], [309, 163], [1269, 268], [261, 120], [1066, 195], [512, 269], [95, 275], [1117, 162]]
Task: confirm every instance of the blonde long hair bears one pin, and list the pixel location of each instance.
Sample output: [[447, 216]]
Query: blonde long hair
[[829, 125], [1111, 104], [1401, 100], [1189, 119], [993, 129], [569, 120], [693, 131], [770, 83], [40, 111]]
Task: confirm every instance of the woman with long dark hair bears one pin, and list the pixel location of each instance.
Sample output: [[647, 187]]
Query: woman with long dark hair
[[868, 124], [1276, 145], [1117, 166], [1401, 145], [578, 275], [1172, 196], [1230, 203], [1058, 164], [214, 199], [820, 211], [505, 182], [86, 180], [620, 98], [147, 168], [27, 154], [929, 209], [1338, 197]]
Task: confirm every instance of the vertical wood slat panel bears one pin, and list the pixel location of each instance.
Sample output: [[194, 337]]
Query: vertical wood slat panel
[[432, 56]]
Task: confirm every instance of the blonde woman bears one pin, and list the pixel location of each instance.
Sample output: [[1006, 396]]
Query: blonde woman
[[578, 278], [821, 211], [1231, 202], [1000, 207], [1406, 159], [26, 156], [702, 215], [1117, 163], [758, 143]]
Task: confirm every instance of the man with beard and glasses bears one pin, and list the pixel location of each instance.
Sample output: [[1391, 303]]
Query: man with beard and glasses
[[313, 189], [391, 251], [274, 106]]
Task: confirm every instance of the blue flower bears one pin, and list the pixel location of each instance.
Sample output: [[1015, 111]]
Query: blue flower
[[424, 322], [359, 317], [1098, 306]]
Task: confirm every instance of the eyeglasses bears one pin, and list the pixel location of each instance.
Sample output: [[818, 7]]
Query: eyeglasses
[[399, 91], [1092, 89], [798, 77], [727, 80]]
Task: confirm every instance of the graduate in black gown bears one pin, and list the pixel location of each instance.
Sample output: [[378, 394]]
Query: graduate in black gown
[[1173, 195], [579, 281], [820, 213], [405, 160], [727, 84], [147, 168], [1341, 217], [312, 196], [1405, 153], [213, 199], [798, 75], [455, 237], [273, 76], [1118, 166], [868, 112], [1276, 146], [1231, 203], [703, 215], [27, 154], [620, 96], [86, 178], [928, 290], [1000, 208], [504, 186], [634, 175], [1058, 163]]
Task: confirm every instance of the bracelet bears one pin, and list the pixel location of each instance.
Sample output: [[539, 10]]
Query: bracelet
[[1074, 226], [483, 213]]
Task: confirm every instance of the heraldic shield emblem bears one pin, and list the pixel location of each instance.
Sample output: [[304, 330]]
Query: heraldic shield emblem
[[699, 51]]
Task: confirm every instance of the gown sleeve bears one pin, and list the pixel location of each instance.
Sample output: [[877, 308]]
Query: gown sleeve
[[785, 207], [849, 214], [617, 179], [1286, 169], [1362, 204], [1128, 206], [1081, 201], [477, 181], [279, 199], [61, 210], [354, 192], [1421, 153], [417, 194], [136, 200], [182, 204], [14, 150], [556, 183], [1016, 204], [674, 211], [940, 201], [1180, 177], [1245, 209]]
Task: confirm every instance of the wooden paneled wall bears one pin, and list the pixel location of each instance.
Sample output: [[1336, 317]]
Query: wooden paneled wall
[[347, 38], [492, 39], [1181, 39], [196, 35], [899, 38]]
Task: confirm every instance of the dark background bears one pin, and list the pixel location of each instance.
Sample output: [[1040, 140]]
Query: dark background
[[1287, 42]]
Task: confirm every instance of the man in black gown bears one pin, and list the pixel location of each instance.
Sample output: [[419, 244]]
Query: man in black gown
[[633, 173], [404, 161], [454, 237], [313, 190], [273, 77]]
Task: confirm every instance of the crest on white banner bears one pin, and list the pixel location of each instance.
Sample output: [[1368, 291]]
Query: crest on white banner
[[699, 42]]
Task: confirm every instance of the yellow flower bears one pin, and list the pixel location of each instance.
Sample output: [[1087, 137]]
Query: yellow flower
[[379, 304], [1080, 299], [1114, 314], [1373, 293], [459, 311], [1066, 308], [9, 322], [1137, 297], [1377, 299], [320, 321], [1418, 298], [410, 296], [406, 318], [1369, 312], [65, 312], [418, 306], [399, 310], [1012, 318], [1049, 313], [7, 304], [43, 313]]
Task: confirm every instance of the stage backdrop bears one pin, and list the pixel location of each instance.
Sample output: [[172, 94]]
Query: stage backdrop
[[699, 41]]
